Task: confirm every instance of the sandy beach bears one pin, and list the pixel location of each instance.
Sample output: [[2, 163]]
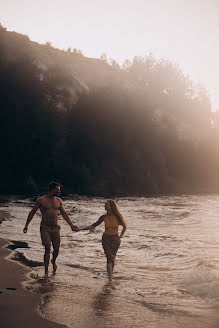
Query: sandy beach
[[18, 307]]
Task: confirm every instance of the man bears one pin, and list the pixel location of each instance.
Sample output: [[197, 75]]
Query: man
[[50, 205]]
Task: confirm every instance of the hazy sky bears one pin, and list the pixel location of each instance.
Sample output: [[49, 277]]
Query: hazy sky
[[183, 31]]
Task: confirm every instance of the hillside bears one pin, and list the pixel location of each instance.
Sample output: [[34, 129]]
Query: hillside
[[99, 128]]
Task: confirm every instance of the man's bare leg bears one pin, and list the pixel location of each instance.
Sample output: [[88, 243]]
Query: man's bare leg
[[53, 261], [54, 266], [46, 259], [56, 244]]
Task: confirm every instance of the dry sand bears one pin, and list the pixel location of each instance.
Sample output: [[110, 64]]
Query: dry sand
[[18, 306]]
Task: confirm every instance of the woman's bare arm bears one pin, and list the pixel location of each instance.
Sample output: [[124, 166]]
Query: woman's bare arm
[[122, 232], [95, 224], [124, 227]]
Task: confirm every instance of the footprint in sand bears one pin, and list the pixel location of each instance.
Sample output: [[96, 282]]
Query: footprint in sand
[[11, 288], [1, 291]]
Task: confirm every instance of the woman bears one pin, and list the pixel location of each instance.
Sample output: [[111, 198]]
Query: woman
[[110, 239]]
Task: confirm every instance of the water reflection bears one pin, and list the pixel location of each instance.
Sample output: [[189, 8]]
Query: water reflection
[[102, 301]]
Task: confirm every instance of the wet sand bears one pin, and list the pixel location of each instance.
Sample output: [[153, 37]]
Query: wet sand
[[18, 307]]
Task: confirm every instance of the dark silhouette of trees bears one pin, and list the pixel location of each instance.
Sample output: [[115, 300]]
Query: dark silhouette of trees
[[99, 128]]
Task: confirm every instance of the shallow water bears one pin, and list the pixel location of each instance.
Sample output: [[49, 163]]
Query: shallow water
[[166, 273]]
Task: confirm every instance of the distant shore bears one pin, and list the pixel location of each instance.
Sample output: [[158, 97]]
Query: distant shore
[[18, 307], [4, 198]]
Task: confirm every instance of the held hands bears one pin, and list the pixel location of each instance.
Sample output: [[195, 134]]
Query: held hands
[[90, 228], [74, 228]]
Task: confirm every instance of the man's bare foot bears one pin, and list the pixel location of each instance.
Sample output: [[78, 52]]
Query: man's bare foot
[[111, 285], [54, 266], [46, 274]]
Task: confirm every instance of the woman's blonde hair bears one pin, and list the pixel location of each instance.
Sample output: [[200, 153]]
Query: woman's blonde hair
[[115, 209]]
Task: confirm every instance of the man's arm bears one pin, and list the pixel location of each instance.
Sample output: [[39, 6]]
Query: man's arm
[[31, 214], [66, 218]]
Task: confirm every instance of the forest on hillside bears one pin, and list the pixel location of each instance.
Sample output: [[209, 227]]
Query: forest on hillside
[[100, 128]]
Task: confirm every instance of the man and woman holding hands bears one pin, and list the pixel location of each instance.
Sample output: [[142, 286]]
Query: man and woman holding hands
[[50, 205]]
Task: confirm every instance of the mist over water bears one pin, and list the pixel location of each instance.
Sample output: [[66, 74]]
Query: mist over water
[[166, 273]]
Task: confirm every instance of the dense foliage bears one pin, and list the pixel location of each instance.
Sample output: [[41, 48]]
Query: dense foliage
[[99, 128]]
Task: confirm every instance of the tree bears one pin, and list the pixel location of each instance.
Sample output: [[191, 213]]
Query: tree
[[103, 57], [2, 28]]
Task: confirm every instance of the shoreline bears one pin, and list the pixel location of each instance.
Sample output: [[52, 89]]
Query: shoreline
[[5, 198], [18, 306]]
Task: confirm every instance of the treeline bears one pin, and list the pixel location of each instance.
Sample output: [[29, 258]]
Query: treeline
[[99, 128]]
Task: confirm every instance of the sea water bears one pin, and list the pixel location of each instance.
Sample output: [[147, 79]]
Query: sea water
[[166, 272]]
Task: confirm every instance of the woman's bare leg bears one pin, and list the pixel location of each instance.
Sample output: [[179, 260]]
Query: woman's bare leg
[[110, 271]]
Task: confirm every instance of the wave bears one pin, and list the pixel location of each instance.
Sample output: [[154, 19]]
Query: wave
[[205, 263], [20, 257], [177, 255], [155, 268], [180, 267], [4, 216], [201, 283], [144, 247], [163, 309], [83, 267], [184, 214]]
